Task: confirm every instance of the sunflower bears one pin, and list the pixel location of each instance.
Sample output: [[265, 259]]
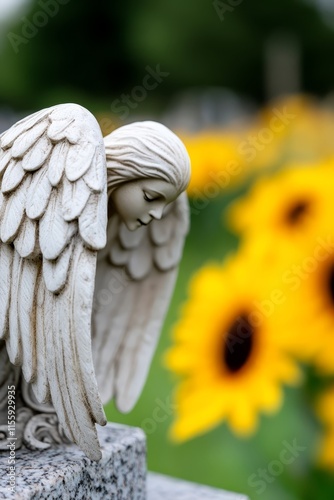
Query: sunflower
[[288, 207], [262, 147], [325, 411], [309, 288], [288, 234], [229, 354], [280, 133], [301, 130], [215, 162]]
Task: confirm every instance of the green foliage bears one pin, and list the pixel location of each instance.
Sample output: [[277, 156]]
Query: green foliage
[[218, 457], [101, 50], [91, 53]]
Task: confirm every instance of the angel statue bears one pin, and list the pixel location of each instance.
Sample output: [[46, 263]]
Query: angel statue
[[91, 234]]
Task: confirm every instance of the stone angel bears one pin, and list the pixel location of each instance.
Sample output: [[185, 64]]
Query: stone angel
[[91, 235]]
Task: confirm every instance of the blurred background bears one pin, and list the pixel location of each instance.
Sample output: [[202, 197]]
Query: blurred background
[[240, 394]]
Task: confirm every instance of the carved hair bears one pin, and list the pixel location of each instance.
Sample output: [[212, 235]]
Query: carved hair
[[146, 150]]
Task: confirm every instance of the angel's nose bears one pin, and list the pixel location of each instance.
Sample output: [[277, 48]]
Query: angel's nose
[[156, 213]]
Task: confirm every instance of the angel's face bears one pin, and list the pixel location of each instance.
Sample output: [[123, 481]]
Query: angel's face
[[139, 202]]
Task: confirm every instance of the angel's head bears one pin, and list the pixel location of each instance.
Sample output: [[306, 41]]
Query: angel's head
[[148, 168]]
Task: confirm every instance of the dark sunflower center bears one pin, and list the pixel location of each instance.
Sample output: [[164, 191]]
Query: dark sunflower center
[[238, 344], [297, 211], [330, 283]]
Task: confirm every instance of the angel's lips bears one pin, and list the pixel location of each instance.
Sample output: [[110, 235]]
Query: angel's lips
[[143, 223]]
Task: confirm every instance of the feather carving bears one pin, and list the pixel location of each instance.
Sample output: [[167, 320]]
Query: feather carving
[[57, 163], [28, 140], [82, 298], [13, 176], [38, 195], [38, 155]]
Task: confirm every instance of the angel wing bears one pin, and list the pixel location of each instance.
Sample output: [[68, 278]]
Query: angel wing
[[136, 274], [53, 218]]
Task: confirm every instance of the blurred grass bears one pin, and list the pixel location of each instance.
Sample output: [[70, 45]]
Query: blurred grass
[[218, 458]]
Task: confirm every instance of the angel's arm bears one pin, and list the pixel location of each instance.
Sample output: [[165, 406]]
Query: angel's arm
[[136, 276]]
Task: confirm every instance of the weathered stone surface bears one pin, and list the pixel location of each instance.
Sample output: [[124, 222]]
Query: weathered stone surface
[[64, 472]]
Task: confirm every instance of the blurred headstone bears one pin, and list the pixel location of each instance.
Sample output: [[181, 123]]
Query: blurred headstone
[[161, 487], [282, 66], [212, 107]]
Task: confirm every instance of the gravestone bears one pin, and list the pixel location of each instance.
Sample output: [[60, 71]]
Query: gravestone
[[63, 471]]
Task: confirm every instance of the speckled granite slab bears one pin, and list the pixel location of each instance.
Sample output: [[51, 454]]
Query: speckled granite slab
[[63, 472], [161, 487]]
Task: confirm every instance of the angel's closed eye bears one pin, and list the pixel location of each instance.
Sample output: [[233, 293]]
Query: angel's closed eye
[[148, 198]]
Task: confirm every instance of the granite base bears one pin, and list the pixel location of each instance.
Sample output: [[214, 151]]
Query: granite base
[[64, 472]]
